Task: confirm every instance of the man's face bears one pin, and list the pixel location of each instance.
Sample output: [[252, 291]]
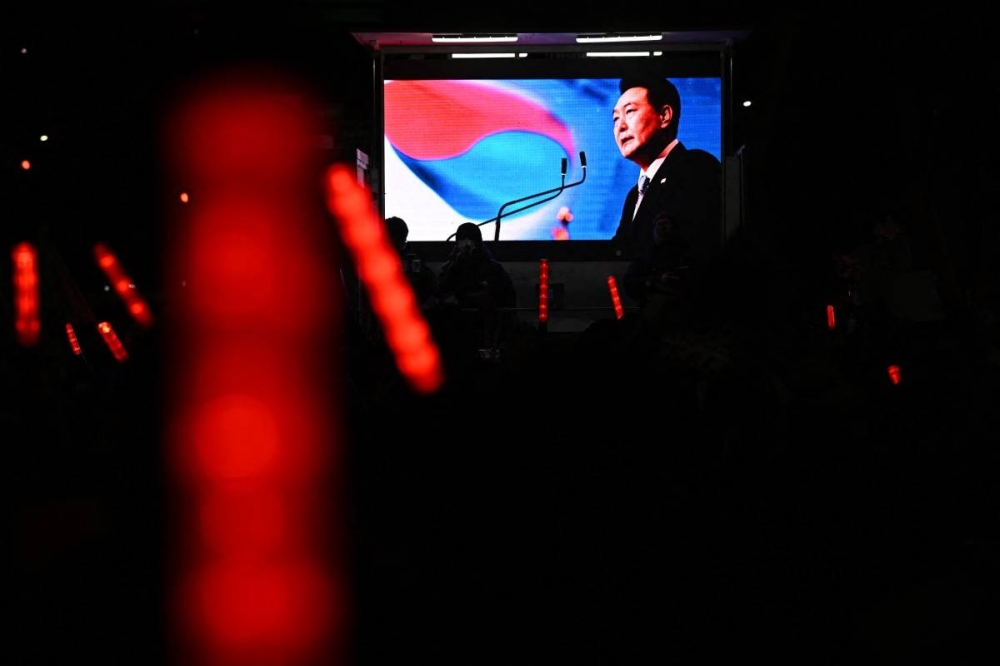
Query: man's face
[[638, 126]]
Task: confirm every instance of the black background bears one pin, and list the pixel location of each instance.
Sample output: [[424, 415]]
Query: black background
[[865, 525]]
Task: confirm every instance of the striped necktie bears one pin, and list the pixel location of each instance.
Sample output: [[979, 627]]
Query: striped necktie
[[643, 186]]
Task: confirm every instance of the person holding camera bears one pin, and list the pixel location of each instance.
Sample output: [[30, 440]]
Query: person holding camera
[[474, 297], [422, 277], [471, 277]]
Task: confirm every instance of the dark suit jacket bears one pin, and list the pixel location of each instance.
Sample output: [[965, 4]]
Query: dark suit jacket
[[687, 190]]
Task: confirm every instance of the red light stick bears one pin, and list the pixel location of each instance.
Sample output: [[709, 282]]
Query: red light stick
[[27, 323], [122, 285], [255, 429], [74, 343], [407, 332], [615, 297], [112, 341], [543, 291]]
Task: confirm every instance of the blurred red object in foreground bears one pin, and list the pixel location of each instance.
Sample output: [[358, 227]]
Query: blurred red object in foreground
[[255, 426]]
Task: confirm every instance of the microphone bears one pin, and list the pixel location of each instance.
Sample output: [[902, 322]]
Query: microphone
[[555, 192]]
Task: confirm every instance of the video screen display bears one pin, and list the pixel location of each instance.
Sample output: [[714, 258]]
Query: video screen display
[[462, 149]]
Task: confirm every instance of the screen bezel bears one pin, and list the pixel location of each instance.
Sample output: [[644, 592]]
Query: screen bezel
[[428, 63]]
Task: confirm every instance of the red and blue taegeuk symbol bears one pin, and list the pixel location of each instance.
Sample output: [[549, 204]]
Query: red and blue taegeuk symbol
[[476, 145]]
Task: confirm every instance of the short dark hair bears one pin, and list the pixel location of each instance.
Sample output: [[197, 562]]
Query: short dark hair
[[397, 230], [659, 90], [469, 231]]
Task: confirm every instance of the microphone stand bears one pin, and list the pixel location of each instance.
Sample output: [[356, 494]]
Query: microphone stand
[[557, 191], [554, 192]]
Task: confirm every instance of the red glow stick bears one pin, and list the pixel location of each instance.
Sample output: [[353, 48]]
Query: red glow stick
[[112, 341], [393, 301], [615, 297], [543, 291], [254, 417], [122, 285], [74, 343], [27, 323]]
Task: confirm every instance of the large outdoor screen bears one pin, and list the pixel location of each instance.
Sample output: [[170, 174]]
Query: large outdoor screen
[[463, 148]]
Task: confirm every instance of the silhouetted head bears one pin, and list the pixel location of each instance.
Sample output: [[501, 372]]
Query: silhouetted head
[[398, 231], [469, 235], [469, 231]]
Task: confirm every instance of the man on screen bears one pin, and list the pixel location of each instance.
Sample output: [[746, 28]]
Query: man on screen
[[671, 220]]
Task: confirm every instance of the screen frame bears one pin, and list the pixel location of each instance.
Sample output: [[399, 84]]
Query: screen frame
[[556, 61]]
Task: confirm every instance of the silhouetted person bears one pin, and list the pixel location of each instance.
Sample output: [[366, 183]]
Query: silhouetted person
[[473, 292], [471, 277], [371, 365], [422, 277]]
